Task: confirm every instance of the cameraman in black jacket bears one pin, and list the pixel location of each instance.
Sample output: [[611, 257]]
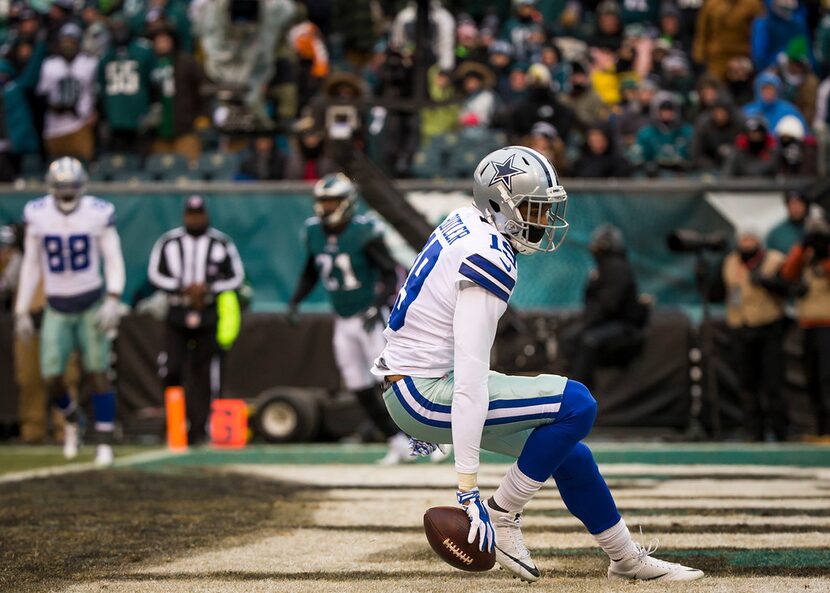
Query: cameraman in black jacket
[[612, 323]]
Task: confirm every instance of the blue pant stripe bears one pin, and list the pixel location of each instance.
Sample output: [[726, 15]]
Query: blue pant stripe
[[416, 415], [428, 405]]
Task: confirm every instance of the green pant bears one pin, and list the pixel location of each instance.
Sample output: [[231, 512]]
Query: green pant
[[62, 333], [421, 408]]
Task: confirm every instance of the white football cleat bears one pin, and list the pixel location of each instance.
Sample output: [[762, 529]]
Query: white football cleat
[[643, 567], [70, 440], [511, 552], [398, 451], [104, 456], [440, 454]]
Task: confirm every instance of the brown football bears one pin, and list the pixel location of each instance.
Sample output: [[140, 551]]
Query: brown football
[[446, 529]]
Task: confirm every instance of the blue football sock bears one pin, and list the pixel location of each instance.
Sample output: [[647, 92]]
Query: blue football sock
[[584, 491], [104, 406], [67, 407], [555, 450]]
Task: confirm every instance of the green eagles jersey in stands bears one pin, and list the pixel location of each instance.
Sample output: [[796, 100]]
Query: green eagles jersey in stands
[[124, 79], [345, 270]]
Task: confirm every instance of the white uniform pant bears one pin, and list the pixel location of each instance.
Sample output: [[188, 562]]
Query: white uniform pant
[[355, 351]]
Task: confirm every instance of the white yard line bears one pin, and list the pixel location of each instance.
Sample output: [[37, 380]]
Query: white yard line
[[46, 472]]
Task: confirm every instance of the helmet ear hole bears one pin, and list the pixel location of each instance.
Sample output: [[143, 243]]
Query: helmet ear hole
[[495, 206]]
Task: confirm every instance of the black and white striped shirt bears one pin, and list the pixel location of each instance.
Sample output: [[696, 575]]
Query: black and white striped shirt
[[179, 260]]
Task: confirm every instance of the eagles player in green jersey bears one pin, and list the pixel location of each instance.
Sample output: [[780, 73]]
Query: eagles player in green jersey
[[348, 253]]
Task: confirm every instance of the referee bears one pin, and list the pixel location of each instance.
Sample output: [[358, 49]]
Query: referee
[[194, 264]]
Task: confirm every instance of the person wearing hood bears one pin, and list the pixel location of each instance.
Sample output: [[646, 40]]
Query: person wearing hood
[[544, 138], [755, 153], [768, 103], [790, 232], [783, 21], [500, 60], [799, 84], [521, 27], [722, 33], [600, 156], [715, 134], [663, 145], [613, 319], [609, 27], [740, 74], [125, 85], [633, 112], [541, 104], [755, 299], [478, 100], [440, 119], [798, 152], [583, 100], [67, 83]]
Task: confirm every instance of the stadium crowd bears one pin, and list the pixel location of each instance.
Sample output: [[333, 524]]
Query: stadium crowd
[[637, 87]]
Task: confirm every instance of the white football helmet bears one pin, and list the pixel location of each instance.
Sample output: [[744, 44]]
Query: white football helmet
[[335, 186], [518, 191], [66, 181]]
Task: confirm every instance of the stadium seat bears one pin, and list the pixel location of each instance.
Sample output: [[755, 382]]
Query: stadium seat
[[168, 167], [114, 167], [32, 167], [217, 166]]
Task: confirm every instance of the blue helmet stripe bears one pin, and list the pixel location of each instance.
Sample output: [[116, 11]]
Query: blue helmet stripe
[[538, 160]]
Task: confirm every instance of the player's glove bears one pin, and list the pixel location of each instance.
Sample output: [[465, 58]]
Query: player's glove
[[24, 327], [371, 317], [421, 448], [480, 524], [109, 314]]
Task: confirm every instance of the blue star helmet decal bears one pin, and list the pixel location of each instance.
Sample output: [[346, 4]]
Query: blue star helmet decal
[[505, 172]]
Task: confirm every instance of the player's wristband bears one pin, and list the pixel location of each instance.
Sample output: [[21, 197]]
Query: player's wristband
[[467, 481]]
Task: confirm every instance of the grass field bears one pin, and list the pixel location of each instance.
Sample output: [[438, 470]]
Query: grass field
[[324, 519]]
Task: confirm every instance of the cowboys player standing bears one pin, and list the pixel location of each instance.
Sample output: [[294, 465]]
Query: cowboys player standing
[[441, 389], [348, 252], [68, 233]]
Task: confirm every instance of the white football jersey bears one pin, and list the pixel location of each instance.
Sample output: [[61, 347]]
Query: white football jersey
[[69, 243], [464, 249]]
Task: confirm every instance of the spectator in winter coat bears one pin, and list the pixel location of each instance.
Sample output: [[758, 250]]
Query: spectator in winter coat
[[798, 83], [541, 104], [499, 58], [545, 139], [180, 108], [634, 110], [479, 102], [715, 134], [441, 119], [790, 232], [67, 81], [609, 27], [263, 160], [662, 147], [740, 74], [520, 28], [600, 156], [767, 102], [722, 33], [772, 33], [797, 152], [583, 100], [756, 152], [442, 22]]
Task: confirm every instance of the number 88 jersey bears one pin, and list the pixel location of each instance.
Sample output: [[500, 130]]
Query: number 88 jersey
[[68, 243], [345, 270]]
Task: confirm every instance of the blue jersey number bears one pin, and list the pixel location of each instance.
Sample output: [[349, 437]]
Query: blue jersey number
[[414, 282], [508, 257], [73, 255]]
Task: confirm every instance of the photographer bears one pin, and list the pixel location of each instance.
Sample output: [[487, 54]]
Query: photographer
[[809, 264], [755, 315], [612, 323]]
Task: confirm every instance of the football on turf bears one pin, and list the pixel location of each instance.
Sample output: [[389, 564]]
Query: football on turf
[[446, 529]]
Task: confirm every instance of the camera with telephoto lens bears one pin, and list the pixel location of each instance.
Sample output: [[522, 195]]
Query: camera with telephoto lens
[[692, 241]]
